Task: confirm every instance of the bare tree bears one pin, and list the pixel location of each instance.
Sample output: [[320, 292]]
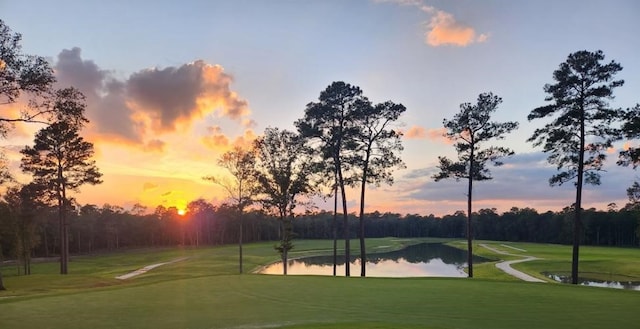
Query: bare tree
[[283, 175], [241, 185]]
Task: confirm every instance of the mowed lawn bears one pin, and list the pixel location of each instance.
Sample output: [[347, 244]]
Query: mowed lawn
[[203, 292]]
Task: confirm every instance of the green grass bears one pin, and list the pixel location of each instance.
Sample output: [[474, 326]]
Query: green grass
[[99, 271], [599, 263], [204, 292]]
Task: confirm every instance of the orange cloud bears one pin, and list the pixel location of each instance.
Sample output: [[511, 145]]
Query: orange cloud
[[626, 146], [245, 140], [444, 30], [155, 145], [135, 110], [433, 134], [416, 132], [249, 123], [174, 96], [149, 186], [216, 140], [442, 27]]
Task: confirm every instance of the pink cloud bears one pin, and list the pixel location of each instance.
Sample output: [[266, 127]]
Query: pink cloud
[[432, 134], [445, 30], [442, 28]]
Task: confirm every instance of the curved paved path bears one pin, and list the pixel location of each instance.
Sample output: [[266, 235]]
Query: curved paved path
[[505, 266], [146, 269]]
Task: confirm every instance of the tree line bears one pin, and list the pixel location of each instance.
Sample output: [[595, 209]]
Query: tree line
[[94, 229]]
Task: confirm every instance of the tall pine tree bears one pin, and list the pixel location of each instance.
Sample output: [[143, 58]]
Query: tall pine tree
[[581, 132], [470, 129], [60, 160]]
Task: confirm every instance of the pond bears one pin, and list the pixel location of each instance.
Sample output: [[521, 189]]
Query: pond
[[629, 285], [421, 260]]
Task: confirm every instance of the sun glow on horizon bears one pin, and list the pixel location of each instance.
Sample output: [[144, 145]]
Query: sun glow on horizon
[[182, 212]]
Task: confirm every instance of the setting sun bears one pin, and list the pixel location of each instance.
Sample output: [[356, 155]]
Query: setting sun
[[181, 212]]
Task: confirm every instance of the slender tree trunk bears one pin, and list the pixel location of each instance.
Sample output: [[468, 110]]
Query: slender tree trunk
[[64, 229], [63, 236], [469, 200], [345, 216], [283, 241], [2, 287], [577, 223], [334, 225], [240, 243], [284, 260], [363, 185], [46, 241]]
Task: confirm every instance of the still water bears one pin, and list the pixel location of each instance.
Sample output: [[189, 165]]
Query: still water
[[629, 285], [428, 259]]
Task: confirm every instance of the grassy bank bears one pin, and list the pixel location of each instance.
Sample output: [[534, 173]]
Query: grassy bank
[[597, 263], [203, 291], [261, 301], [99, 271]]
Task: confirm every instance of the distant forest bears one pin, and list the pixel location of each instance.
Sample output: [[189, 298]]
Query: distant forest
[[98, 229]]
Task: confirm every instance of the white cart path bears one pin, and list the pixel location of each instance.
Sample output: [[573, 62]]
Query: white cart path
[[147, 269], [505, 266]]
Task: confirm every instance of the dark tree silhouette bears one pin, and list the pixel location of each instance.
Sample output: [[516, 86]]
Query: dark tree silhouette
[[469, 129], [330, 124], [23, 205], [581, 131], [241, 186], [21, 74], [633, 193], [631, 130], [631, 155], [283, 176], [60, 160], [378, 148]]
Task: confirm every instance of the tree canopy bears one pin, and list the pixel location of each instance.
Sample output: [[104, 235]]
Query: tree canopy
[[21, 74]]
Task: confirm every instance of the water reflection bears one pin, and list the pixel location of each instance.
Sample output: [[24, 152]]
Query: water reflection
[[629, 285], [428, 259]]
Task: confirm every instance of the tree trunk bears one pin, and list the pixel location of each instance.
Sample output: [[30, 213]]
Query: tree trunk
[[63, 238], [577, 223], [283, 241], [284, 261], [240, 243], [345, 216], [469, 200], [334, 225], [46, 242], [363, 253], [1, 263]]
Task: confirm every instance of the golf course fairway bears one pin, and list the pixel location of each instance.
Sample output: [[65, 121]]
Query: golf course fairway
[[183, 295]]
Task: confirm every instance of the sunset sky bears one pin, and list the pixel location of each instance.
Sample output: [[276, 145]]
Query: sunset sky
[[171, 85]]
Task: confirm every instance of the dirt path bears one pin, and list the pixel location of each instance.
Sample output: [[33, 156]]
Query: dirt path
[[505, 266], [147, 269]]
